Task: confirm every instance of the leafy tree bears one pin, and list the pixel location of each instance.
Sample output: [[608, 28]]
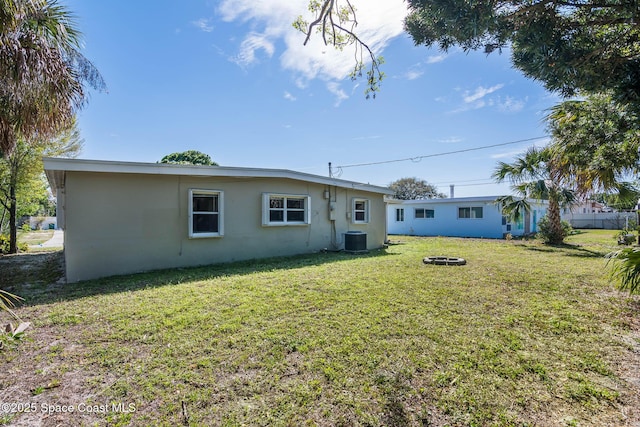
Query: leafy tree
[[336, 21], [626, 200], [414, 188], [21, 181], [534, 175], [586, 46], [190, 157], [43, 75]]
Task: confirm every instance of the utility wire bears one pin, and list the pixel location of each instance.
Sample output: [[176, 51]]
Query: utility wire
[[473, 185], [418, 158], [460, 182]]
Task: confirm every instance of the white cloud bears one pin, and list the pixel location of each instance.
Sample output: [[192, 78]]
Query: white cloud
[[511, 105], [433, 59], [507, 154], [480, 93], [289, 97], [301, 83], [249, 46], [478, 98], [413, 74], [450, 140], [335, 89], [540, 143], [203, 24], [379, 21]]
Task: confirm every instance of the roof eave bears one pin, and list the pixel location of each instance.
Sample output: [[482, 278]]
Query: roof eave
[[102, 166]]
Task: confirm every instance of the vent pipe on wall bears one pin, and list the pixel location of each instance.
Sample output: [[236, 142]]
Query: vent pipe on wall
[[451, 191]]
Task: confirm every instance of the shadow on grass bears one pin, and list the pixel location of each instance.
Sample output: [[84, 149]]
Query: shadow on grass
[[42, 284], [569, 250], [39, 267]]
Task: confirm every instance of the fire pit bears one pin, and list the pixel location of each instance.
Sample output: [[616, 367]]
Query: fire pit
[[444, 260]]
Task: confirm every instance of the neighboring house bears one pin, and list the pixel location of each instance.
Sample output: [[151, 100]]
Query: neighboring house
[[592, 214], [43, 222], [459, 217], [586, 206], [122, 217]]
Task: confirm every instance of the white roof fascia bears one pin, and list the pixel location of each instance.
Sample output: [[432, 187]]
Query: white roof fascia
[[103, 166], [482, 199], [458, 200]]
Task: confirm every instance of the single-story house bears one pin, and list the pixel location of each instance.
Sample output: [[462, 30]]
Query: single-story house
[[125, 217], [43, 222], [459, 217]]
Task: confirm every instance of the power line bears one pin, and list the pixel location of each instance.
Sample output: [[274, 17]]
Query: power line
[[459, 182], [473, 185], [418, 158]]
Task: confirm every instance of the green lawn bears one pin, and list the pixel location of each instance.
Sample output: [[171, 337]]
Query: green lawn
[[523, 335]]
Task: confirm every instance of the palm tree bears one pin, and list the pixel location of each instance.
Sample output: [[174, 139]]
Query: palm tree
[[533, 175], [597, 140], [43, 75], [595, 143]]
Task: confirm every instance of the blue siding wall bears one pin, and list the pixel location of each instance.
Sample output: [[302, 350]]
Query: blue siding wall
[[448, 219]]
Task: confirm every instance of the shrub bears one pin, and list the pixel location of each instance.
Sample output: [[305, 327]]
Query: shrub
[[4, 245], [626, 237], [546, 233]]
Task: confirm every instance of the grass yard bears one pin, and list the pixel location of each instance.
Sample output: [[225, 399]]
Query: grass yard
[[34, 237], [523, 335]]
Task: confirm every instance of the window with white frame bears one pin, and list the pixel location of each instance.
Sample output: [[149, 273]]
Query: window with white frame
[[507, 223], [360, 211], [205, 213], [285, 209], [470, 212], [399, 214], [422, 213]]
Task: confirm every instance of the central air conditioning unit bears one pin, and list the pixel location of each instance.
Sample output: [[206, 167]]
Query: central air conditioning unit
[[355, 241]]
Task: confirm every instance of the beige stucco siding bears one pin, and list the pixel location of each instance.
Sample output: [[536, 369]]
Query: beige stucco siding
[[125, 223]]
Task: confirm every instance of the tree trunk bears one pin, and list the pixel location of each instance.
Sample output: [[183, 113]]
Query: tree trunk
[[555, 222], [4, 214], [13, 227]]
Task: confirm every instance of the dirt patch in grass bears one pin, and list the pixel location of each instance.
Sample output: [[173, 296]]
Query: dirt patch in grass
[[53, 380], [629, 368]]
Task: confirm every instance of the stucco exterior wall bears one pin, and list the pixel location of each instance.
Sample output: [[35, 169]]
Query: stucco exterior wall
[[126, 223], [446, 221]]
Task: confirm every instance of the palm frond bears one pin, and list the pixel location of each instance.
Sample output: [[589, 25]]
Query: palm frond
[[512, 207], [625, 267], [8, 301]]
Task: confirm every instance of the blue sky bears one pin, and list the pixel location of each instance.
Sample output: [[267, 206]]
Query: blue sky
[[232, 79]]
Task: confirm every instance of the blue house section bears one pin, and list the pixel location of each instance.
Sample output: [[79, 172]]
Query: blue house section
[[459, 217]]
